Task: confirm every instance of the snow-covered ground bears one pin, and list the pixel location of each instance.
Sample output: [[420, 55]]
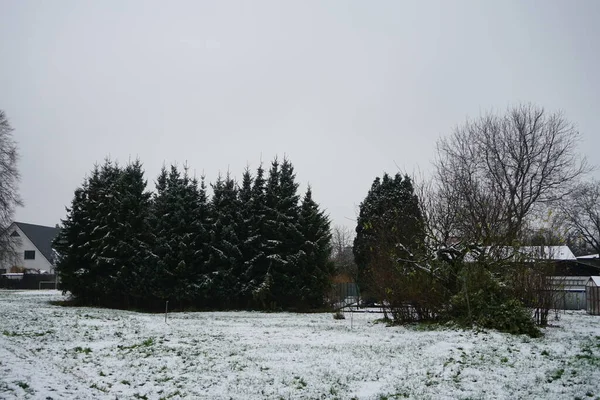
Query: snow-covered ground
[[52, 352]]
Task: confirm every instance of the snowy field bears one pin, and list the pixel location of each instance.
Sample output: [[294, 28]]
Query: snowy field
[[51, 352]]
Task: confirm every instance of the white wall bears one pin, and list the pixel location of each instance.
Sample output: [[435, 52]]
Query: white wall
[[21, 244]]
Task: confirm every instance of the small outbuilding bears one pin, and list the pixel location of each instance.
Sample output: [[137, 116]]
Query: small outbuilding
[[592, 294], [568, 292]]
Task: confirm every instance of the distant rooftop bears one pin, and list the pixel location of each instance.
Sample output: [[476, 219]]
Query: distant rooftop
[[41, 236], [532, 253]]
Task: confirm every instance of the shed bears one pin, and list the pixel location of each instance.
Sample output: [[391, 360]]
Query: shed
[[568, 292], [592, 293]]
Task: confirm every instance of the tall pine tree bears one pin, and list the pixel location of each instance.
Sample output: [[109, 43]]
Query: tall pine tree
[[226, 259], [314, 266]]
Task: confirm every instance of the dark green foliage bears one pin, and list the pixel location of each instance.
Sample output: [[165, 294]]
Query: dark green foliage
[[285, 237], [467, 284], [257, 276], [252, 246], [389, 243], [225, 261], [103, 245], [488, 304], [314, 257], [180, 231]]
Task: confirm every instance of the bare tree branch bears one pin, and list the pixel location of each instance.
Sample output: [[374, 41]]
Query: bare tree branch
[[497, 171], [9, 181]]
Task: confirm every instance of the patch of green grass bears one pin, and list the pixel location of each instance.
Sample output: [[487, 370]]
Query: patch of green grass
[[85, 350], [393, 396], [125, 382], [427, 327], [95, 386], [587, 354], [25, 386], [26, 334], [146, 343], [545, 353], [299, 382], [167, 397], [556, 374], [140, 396]]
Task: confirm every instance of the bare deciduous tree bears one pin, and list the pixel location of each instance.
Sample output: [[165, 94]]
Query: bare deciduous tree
[[582, 213], [496, 171], [341, 240], [9, 180]]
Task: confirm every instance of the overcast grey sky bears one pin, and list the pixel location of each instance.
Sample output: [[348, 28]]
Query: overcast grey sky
[[346, 89]]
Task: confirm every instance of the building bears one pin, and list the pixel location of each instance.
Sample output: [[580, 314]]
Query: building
[[592, 291], [590, 263], [570, 292], [33, 248]]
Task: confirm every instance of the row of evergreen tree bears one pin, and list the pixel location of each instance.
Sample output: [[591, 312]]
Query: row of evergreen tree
[[254, 245]]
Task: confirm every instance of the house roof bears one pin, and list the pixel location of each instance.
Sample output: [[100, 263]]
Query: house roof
[[530, 253], [555, 253], [569, 283], [595, 279], [40, 236], [588, 257]]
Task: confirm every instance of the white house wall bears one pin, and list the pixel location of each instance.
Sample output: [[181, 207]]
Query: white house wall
[[20, 245]]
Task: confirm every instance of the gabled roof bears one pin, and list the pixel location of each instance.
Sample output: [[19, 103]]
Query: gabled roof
[[595, 279], [554, 253], [529, 253], [40, 236], [588, 257]]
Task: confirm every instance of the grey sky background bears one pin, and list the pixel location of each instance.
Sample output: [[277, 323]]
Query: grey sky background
[[346, 89]]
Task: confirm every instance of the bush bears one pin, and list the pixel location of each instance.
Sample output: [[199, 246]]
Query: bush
[[490, 304], [511, 317]]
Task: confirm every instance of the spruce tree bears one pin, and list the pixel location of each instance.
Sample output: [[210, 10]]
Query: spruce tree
[[314, 266], [73, 262], [226, 259], [247, 239], [104, 197], [179, 226], [133, 252], [389, 229], [257, 277], [288, 239]]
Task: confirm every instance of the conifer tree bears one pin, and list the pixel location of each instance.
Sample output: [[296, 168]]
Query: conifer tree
[[225, 255], [389, 234], [73, 262], [179, 226], [104, 218], [133, 250], [247, 239], [288, 239], [257, 275], [314, 266], [252, 246]]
